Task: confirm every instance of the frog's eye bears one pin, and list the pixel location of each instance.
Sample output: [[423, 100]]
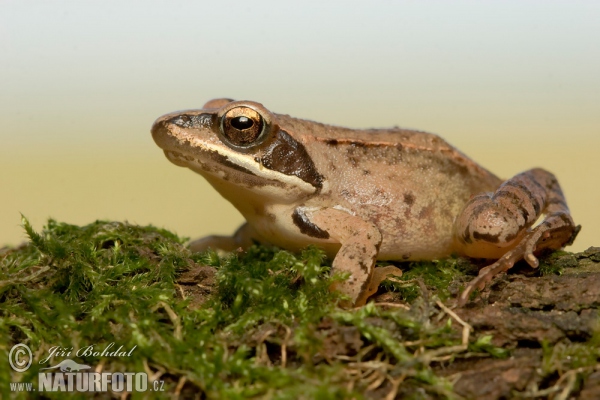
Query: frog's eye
[[242, 126]]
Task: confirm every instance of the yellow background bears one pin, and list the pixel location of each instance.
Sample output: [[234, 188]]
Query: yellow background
[[513, 84]]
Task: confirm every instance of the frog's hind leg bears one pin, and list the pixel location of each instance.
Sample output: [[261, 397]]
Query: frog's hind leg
[[497, 225]]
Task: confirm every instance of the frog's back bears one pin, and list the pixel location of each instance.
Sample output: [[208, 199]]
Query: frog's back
[[388, 136], [410, 184], [386, 145]]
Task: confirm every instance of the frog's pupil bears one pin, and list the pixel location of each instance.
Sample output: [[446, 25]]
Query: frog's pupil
[[241, 123]]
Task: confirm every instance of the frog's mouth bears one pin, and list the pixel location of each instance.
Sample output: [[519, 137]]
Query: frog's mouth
[[210, 161]]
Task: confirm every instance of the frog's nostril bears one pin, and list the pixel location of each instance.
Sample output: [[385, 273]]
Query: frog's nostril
[[188, 121], [184, 121]]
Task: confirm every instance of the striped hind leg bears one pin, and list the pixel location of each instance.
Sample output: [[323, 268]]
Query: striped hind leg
[[499, 225]]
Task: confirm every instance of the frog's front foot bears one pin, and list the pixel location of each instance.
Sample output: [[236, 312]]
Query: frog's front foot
[[360, 241], [243, 238]]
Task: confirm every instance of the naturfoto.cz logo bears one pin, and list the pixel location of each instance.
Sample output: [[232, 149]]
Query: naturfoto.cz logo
[[70, 376]]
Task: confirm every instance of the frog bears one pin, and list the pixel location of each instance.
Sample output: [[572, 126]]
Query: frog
[[363, 195]]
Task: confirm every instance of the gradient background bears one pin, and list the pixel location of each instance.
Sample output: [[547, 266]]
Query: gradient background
[[513, 84]]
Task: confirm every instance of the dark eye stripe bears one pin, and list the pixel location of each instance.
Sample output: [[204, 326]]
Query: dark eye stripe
[[286, 155]]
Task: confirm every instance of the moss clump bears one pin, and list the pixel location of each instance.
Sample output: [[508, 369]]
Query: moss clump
[[565, 365], [261, 323], [440, 276], [556, 263]]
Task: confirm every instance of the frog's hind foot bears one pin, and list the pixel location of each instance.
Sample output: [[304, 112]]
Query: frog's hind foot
[[488, 273], [556, 231], [497, 225]]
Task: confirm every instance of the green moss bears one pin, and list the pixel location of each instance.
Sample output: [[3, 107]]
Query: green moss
[[267, 325], [556, 263], [437, 275], [484, 344], [566, 365], [564, 356]]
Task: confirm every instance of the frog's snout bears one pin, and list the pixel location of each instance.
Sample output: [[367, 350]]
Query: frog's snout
[[168, 127], [159, 129], [162, 128]]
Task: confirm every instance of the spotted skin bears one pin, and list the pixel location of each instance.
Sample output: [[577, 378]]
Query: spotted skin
[[498, 225]]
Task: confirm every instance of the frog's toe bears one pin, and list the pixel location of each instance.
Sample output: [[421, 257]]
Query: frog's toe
[[532, 260], [379, 275], [488, 273], [485, 275]]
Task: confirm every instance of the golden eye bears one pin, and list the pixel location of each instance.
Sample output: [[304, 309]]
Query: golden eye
[[242, 126]]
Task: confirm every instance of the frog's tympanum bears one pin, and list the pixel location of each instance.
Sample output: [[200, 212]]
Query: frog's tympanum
[[362, 195]]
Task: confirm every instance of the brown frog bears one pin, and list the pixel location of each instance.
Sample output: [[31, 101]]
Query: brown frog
[[362, 195]]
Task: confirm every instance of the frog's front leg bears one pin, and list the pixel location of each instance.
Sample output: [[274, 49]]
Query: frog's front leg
[[360, 241], [241, 238], [496, 225]]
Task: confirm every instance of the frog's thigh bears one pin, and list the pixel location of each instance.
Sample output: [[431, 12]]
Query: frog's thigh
[[360, 242], [491, 224], [241, 238], [496, 225]]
